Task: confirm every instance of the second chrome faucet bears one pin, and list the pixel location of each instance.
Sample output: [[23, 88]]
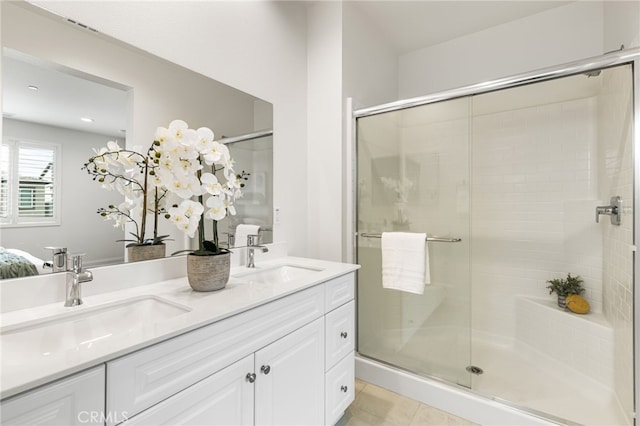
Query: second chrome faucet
[[252, 244], [75, 277]]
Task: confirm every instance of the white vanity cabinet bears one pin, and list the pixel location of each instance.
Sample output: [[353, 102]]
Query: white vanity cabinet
[[281, 384], [264, 366], [339, 356], [290, 379], [74, 400]]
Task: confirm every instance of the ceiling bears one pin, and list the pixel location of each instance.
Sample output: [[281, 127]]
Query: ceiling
[[63, 98], [412, 25]]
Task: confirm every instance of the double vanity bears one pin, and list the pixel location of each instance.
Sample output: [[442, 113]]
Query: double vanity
[[276, 346]]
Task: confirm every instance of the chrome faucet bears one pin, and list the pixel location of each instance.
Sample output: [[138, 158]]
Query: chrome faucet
[[252, 244], [75, 277], [59, 260]]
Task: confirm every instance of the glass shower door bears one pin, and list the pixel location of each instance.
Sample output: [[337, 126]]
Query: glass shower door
[[413, 176]]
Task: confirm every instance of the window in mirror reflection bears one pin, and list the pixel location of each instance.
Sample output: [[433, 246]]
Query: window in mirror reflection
[[29, 179]]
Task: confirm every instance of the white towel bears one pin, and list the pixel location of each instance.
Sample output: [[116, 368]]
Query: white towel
[[242, 231], [405, 261]]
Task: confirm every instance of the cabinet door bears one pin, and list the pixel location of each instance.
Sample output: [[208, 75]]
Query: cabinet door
[[340, 388], [339, 333], [224, 398], [75, 400], [290, 378]]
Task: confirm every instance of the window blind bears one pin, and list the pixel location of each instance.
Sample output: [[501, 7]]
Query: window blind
[[36, 181], [5, 178], [28, 186]]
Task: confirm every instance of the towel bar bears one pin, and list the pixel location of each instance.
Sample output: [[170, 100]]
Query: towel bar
[[434, 239]]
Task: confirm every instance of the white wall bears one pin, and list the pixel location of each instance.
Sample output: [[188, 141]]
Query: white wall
[[324, 132], [621, 24], [370, 66], [369, 77], [255, 46], [548, 38]]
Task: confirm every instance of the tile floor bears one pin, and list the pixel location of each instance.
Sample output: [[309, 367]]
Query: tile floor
[[374, 405]]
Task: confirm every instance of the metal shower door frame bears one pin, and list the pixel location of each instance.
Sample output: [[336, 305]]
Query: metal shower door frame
[[619, 57]]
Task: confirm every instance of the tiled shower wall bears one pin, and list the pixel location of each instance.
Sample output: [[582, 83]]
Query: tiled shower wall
[[616, 178], [534, 193]]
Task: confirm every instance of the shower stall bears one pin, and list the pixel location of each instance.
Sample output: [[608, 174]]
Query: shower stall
[[513, 182]]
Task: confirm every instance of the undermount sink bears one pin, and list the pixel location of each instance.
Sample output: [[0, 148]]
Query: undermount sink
[[276, 274], [81, 328]]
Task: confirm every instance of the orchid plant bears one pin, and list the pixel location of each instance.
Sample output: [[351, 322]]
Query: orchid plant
[[129, 172], [188, 164], [401, 188]]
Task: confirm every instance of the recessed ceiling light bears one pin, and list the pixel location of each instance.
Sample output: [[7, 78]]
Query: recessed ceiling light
[[87, 119], [34, 88]]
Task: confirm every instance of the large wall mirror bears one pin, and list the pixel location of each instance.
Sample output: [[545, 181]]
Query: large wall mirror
[[55, 73]]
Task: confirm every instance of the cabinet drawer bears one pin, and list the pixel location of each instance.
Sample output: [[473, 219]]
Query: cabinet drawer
[[75, 400], [339, 388], [136, 382], [339, 291], [224, 398], [339, 333]]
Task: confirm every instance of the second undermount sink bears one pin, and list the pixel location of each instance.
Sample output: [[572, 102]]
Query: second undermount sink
[[276, 274], [81, 328]]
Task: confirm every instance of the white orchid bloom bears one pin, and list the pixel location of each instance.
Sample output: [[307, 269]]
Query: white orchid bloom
[[177, 129], [161, 135], [214, 153], [113, 146], [165, 139], [120, 220], [228, 203], [191, 208], [217, 210], [210, 184], [192, 227], [228, 171], [205, 139], [181, 187], [187, 216], [164, 176], [188, 152], [108, 185], [187, 167], [234, 183], [178, 218], [126, 206], [189, 139], [100, 151]]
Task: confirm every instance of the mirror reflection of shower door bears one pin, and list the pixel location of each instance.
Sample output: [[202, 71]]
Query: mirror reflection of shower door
[[413, 176]]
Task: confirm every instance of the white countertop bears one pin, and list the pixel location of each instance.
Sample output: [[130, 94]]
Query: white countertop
[[35, 369]]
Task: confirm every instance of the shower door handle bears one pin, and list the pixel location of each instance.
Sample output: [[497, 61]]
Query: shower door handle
[[614, 210]]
